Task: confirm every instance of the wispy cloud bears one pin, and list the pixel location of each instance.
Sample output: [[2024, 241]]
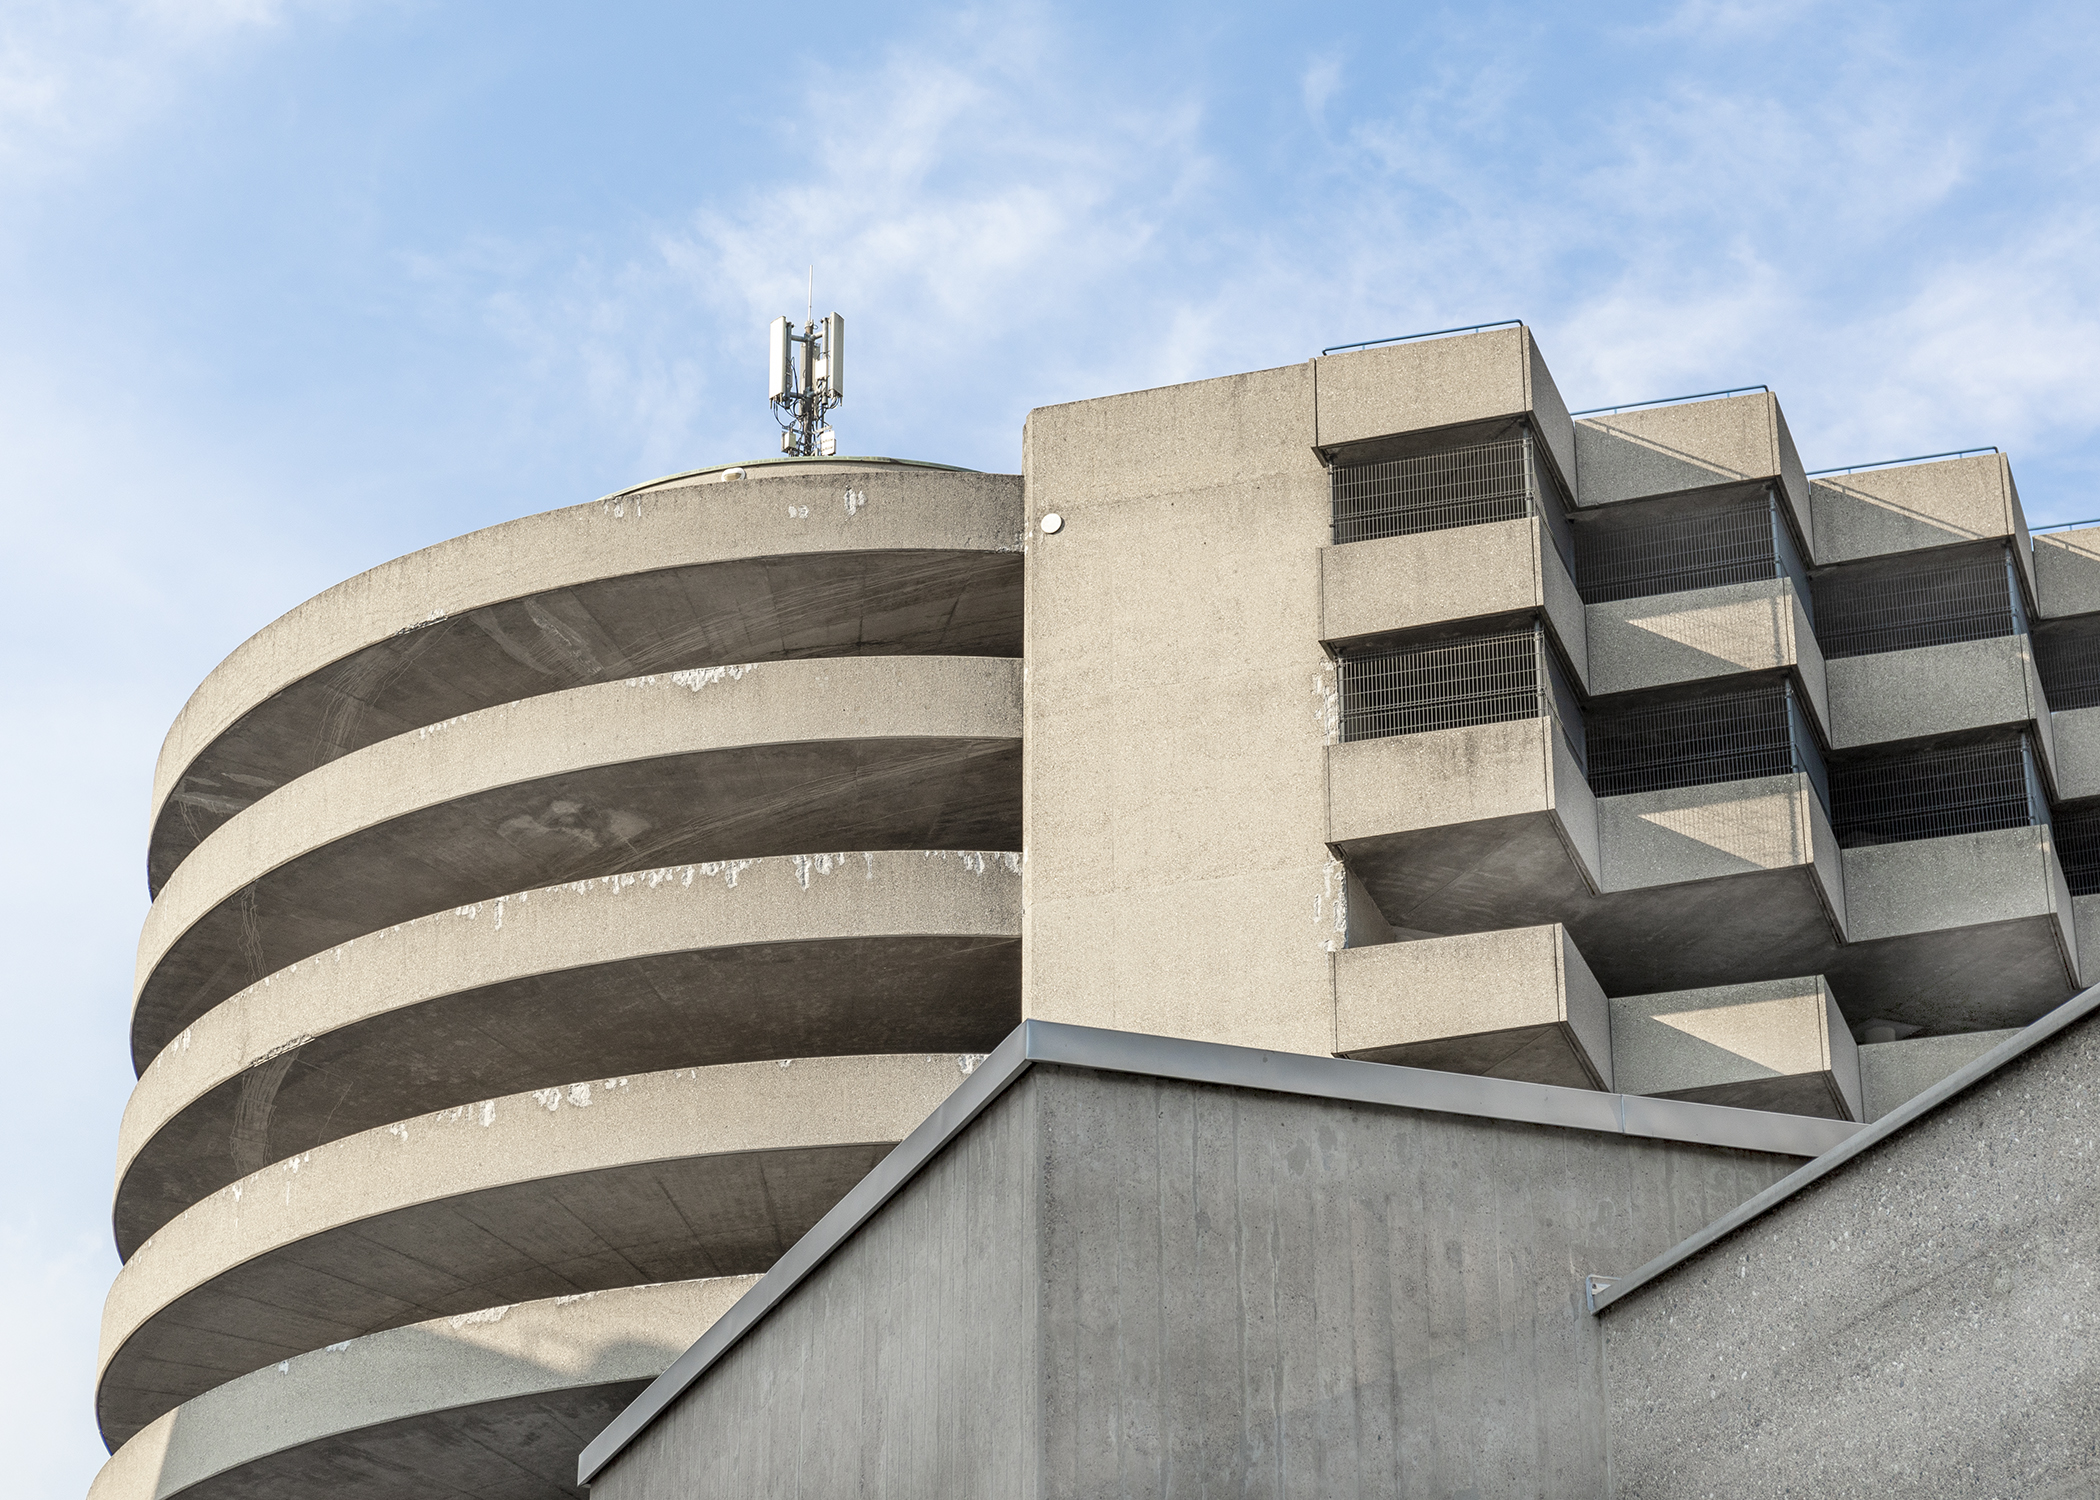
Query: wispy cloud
[[76, 75]]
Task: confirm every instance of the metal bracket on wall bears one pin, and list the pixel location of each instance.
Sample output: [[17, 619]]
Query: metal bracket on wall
[[1594, 1287]]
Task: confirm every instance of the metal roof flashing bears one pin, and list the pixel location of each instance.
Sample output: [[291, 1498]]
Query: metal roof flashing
[[1601, 1292], [1341, 1079]]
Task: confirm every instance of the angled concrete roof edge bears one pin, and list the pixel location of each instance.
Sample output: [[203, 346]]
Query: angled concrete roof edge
[[2076, 1009], [1200, 1062]]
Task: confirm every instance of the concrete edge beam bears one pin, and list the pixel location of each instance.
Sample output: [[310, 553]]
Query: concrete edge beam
[[1778, 1043], [571, 927], [1729, 630], [1917, 507], [774, 703], [535, 1137], [1427, 578], [1515, 1003], [1423, 385], [440, 1366], [1652, 451], [901, 507]]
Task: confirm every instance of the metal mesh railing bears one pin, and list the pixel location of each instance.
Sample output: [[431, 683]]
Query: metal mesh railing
[[1929, 794], [1472, 485], [1860, 611], [1693, 742], [2078, 849], [1435, 492], [2068, 659], [1448, 685], [1740, 541]]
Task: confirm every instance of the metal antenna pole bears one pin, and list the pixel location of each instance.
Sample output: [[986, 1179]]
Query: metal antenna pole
[[800, 395]]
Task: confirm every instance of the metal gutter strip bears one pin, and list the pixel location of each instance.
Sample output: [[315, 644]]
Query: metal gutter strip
[[1213, 1063], [1605, 1291]]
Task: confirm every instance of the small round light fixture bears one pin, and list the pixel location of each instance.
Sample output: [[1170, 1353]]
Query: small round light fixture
[[1053, 524], [732, 473]]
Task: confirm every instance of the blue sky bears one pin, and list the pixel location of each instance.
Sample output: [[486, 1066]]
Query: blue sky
[[287, 289]]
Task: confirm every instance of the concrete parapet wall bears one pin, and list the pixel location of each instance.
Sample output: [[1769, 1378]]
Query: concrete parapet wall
[[1916, 507], [915, 752], [1702, 633], [1447, 382], [1932, 690], [2075, 734], [605, 1183], [1690, 833], [1426, 578], [453, 1401], [2067, 572], [689, 966], [817, 559], [1518, 1003], [1692, 445], [1781, 1044]]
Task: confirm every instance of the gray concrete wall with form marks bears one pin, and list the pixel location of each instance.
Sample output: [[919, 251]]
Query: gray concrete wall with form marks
[[1112, 1284], [1925, 1320]]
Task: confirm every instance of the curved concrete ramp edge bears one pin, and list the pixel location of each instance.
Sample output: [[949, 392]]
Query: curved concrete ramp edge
[[387, 1416]]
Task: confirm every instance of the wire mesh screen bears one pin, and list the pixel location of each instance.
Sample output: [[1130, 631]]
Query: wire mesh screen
[[2069, 663], [1934, 603], [1735, 542], [2078, 849], [1932, 794], [1486, 680], [1735, 737], [1460, 487]]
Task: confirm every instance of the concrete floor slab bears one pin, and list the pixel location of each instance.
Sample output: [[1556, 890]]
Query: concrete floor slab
[[816, 955], [493, 1404], [818, 559], [1518, 1003], [783, 757], [614, 1182]]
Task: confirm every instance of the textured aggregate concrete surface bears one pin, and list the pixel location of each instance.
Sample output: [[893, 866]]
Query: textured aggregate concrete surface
[[1118, 1285], [815, 955], [1923, 1321], [818, 559], [493, 1404], [1726, 631], [1518, 1003], [1781, 1045], [909, 752], [1919, 507], [1692, 445], [604, 1183]]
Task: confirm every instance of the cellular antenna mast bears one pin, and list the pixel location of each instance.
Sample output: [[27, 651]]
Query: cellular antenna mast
[[808, 381]]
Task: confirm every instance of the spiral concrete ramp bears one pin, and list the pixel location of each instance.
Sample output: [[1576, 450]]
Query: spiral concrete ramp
[[548, 928]]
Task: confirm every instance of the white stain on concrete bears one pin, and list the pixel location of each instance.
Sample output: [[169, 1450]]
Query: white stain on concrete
[[855, 500], [486, 1315]]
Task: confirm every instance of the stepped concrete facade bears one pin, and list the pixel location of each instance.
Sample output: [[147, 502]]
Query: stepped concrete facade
[[646, 986]]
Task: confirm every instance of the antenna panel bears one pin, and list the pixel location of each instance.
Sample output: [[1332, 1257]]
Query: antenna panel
[[781, 380], [835, 354]]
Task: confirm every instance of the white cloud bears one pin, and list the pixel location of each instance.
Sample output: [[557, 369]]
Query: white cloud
[[76, 75]]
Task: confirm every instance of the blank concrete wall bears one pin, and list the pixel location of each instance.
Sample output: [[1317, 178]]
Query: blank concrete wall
[[1920, 1322], [1251, 1294], [904, 1366], [1118, 1285]]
